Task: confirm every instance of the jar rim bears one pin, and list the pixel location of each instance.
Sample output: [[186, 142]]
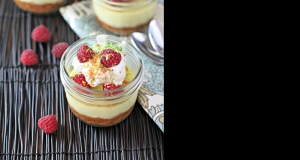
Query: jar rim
[[139, 3]]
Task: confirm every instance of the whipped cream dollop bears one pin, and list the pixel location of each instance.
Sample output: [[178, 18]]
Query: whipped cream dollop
[[94, 72]]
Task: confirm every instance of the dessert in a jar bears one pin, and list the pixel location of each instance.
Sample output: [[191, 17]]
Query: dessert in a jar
[[101, 75], [40, 6], [123, 17]]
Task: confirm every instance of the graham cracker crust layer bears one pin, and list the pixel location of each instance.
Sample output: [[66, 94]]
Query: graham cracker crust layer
[[122, 31], [100, 122], [39, 9]]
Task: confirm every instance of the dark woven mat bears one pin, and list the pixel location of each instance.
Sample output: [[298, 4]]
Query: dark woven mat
[[28, 93]]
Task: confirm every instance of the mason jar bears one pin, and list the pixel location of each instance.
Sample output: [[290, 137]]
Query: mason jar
[[40, 6], [101, 108], [125, 17]]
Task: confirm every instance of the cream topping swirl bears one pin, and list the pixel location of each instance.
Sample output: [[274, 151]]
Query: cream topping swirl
[[96, 74]]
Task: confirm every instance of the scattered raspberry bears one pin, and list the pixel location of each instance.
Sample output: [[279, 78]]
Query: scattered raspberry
[[84, 53], [59, 49], [41, 34], [111, 86], [48, 123], [80, 79], [29, 57], [110, 58]]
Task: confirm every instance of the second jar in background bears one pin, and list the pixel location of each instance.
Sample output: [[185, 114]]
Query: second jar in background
[[124, 16]]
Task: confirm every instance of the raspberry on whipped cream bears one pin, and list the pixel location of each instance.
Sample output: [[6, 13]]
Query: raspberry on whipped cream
[[95, 72]]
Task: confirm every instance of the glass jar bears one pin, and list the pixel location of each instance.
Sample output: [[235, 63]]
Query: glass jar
[[124, 18], [101, 108], [40, 6]]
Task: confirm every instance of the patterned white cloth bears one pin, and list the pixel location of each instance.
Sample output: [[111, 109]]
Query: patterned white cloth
[[81, 18]]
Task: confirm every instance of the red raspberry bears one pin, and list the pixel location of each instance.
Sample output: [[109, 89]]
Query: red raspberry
[[121, 0], [80, 79], [41, 34], [110, 58], [59, 49], [29, 57], [111, 86], [48, 123], [84, 53]]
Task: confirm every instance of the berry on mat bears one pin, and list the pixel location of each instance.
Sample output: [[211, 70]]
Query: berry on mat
[[110, 58], [84, 53], [80, 79], [29, 57], [48, 123], [59, 49], [41, 34]]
